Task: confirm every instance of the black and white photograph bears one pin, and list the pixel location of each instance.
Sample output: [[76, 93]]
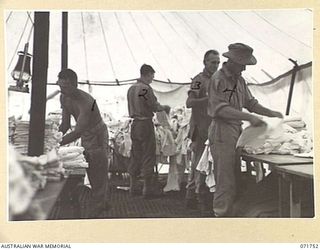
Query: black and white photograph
[[136, 114]]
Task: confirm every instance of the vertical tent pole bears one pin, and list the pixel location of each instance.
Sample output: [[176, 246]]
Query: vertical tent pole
[[293, 78], [64, 45], [39, 84]]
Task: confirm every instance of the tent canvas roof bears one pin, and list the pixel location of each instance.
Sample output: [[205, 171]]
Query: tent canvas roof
[[108, 45], [104, 46]]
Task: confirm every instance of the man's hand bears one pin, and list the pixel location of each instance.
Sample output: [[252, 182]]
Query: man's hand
[[276, 114], [255, 121]]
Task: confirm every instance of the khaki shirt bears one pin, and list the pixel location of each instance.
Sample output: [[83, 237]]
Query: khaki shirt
[[226, 89], [200, 120], [142, 102]]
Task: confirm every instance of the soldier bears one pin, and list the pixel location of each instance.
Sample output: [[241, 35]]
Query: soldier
[[199, 123], [228, 95], [142, 103], [92, 131]]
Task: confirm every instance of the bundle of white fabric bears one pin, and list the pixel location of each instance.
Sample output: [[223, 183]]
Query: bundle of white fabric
[[277, 137], [52, 136], [72, 158], [206, 166], [123, 140], [42, 169], [25, 178], [20, 188], [167, 145], [294, 122]]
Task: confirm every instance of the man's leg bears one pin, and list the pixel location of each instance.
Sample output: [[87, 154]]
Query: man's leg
[[196, 180], [97, 174], [224, 157], [148, 158], [191, 199], [135, 159], [200, 179]]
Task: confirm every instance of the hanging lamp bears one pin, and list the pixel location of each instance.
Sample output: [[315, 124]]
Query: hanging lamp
[[21, 72]]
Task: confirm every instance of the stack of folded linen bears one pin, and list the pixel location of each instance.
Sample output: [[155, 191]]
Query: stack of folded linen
[[21, 136], [72, 158], [12, 127]]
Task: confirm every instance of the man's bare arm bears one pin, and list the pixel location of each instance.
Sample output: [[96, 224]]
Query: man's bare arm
[[65, 124], [83, 123]]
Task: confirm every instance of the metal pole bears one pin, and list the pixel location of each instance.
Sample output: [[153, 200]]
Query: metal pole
[[64, 45], [39, 84], [294, 71]]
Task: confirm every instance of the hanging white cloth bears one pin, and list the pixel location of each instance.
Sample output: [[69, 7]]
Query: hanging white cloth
[[206, 166]]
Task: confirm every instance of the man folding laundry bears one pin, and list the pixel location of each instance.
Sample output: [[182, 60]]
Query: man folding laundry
[[142, 104], [197, 191], [92, 131], [228, 95]]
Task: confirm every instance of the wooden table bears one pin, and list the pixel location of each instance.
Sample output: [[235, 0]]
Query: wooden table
[[297, 177], [48, 197], [276, 160], [56, 195], [292, 170]]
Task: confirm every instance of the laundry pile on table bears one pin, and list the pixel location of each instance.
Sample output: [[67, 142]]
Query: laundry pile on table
[[21, 191], [29, 174], [122, 139], [287, 136], [21, 136], [72, 159], [42, 169]]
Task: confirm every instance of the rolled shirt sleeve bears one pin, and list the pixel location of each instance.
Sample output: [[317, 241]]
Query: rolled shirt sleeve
[[250, 101], [151, 100], [195, 87]]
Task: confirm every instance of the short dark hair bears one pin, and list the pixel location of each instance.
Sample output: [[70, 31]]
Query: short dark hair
[[146, 69], [68, 74], [212, 51]]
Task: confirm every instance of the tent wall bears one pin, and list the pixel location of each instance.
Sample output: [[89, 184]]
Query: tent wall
[[275, 95]]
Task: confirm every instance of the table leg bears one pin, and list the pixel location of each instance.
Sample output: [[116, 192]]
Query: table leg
[[283, 195], [295, 197], [258, 167], [249, 169]]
